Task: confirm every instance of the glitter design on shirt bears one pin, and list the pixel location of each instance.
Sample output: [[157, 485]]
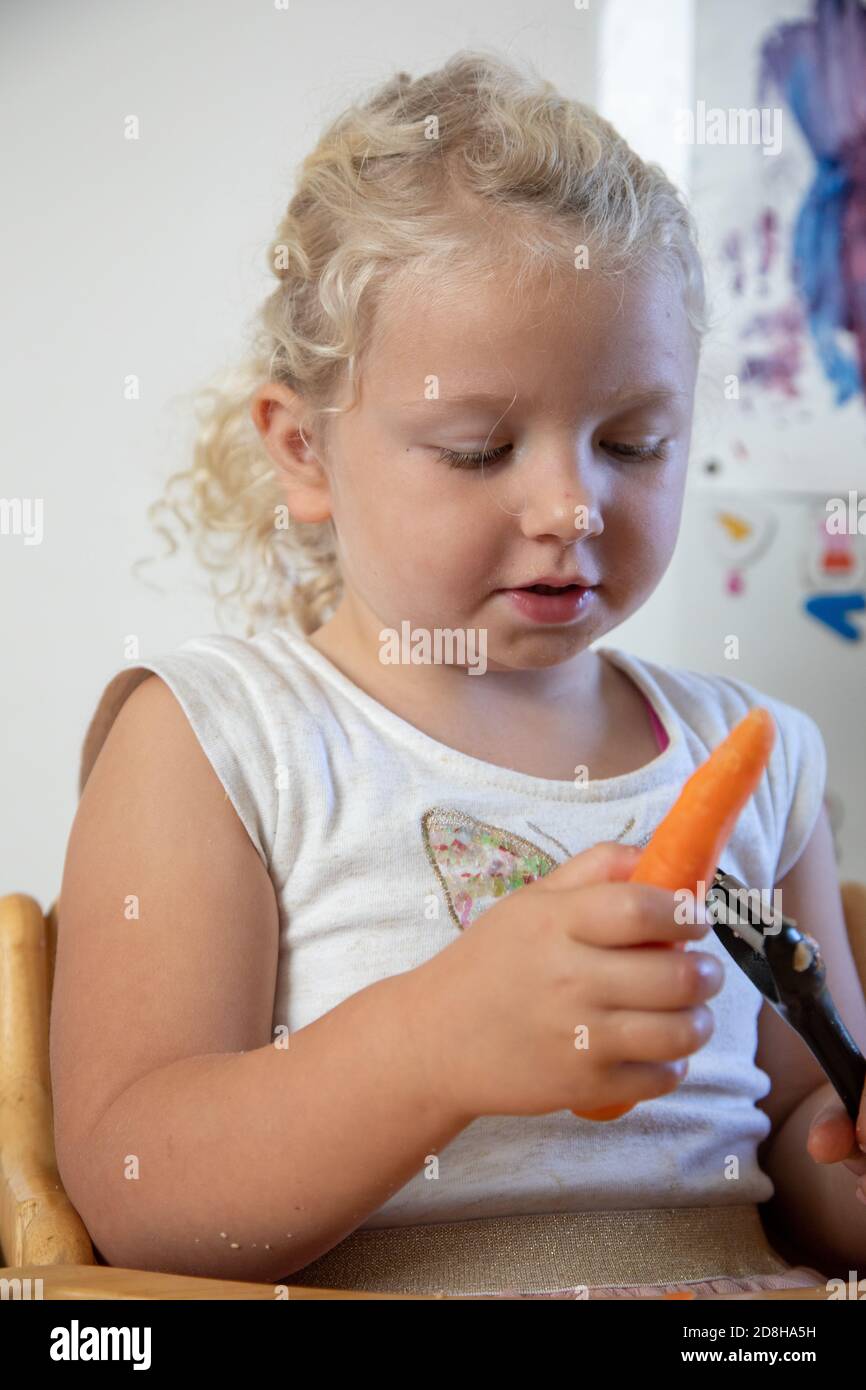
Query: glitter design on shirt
[[477, 863]]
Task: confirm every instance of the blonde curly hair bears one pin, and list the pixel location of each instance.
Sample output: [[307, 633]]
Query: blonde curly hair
[[428, 182]]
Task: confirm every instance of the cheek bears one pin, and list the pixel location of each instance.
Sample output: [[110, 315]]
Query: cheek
[[396, 527], [374, 510], [641, 534], [426, 512]]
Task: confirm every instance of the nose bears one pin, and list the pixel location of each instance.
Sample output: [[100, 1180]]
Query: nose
[[560, 498]]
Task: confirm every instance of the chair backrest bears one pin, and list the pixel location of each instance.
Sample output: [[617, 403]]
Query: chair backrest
[[51, 945], [38, 1223], [854, 906]]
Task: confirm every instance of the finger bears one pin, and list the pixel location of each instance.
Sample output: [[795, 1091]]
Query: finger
[[605, 862], [632, 1036], [831, 1139], [831, 1135], [657, 978], [625, 914], [627, 1083]]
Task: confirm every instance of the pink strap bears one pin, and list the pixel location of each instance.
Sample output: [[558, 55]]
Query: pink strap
[[658, 727]]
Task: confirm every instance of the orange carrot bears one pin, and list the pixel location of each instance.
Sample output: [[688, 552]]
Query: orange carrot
[[684, 851]]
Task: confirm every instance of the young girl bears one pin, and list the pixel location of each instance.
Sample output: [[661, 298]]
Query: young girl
[[303, 1025]]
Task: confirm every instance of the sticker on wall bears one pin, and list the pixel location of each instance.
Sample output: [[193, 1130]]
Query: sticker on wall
[[833, 610], [740, 533], [834, 551], [833, 565]]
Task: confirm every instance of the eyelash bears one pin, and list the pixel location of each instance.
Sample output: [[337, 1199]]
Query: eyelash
[[457, 460], [631, 451], [643, 451]]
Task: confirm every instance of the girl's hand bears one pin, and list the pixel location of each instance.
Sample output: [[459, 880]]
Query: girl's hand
[[543, 1004], [833, 1139]]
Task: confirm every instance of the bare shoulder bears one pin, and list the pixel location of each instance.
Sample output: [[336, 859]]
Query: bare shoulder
[[168, 919]]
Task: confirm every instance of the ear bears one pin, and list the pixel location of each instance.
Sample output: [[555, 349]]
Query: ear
[[278, 414]]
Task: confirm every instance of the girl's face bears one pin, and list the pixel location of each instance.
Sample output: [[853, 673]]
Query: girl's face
[[586, 416]]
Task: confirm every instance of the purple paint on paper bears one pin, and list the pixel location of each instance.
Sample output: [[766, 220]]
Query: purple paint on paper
[[732, 250], [768, 232], [819, 66], [777, 369], [787, 322]]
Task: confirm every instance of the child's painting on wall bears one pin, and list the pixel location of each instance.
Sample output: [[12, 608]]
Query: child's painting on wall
[[779, 170]]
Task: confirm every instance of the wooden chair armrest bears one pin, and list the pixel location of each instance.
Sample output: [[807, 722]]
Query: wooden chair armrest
[[38, 1223], [854, 905]]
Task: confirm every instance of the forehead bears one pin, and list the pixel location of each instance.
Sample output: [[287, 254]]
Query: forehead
[[573, 334]]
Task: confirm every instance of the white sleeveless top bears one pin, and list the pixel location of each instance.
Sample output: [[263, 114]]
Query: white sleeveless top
[[382, 844]]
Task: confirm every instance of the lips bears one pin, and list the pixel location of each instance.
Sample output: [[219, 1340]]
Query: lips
[[560, 602], [547, 583], [549, 588]]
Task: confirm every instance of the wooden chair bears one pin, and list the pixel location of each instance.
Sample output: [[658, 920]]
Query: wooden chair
[[41, 1233]]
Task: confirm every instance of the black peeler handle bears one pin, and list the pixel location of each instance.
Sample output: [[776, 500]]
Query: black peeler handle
[[789, 972], [817, 1020]]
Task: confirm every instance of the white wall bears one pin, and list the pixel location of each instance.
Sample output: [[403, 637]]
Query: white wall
[[147, 257], [645, 73], [687, 620]]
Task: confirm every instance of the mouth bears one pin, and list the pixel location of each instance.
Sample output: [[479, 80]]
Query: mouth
[[549, 588], [550, 603]]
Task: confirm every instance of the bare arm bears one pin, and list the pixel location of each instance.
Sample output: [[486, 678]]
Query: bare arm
[[187, 1138], [252, 1165], [814, 1205]]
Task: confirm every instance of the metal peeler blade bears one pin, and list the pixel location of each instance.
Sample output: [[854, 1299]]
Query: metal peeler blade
[[785, 964]]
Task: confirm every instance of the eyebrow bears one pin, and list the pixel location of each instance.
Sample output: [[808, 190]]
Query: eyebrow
[[651, 395], [472, 398]]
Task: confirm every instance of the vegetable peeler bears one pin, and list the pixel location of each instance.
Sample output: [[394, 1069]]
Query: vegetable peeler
[[785, 964]]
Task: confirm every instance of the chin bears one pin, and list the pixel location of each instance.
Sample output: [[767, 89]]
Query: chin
[[529, 651]]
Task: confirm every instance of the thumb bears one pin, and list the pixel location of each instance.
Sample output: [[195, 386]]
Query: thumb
[[606, 862], [831, 1137]]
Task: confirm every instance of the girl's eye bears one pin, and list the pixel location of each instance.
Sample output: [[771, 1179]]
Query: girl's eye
[[638, 451], [631, 451], [457, 460]]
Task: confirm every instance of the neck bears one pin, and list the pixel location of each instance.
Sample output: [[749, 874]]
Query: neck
[[351, 639]]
